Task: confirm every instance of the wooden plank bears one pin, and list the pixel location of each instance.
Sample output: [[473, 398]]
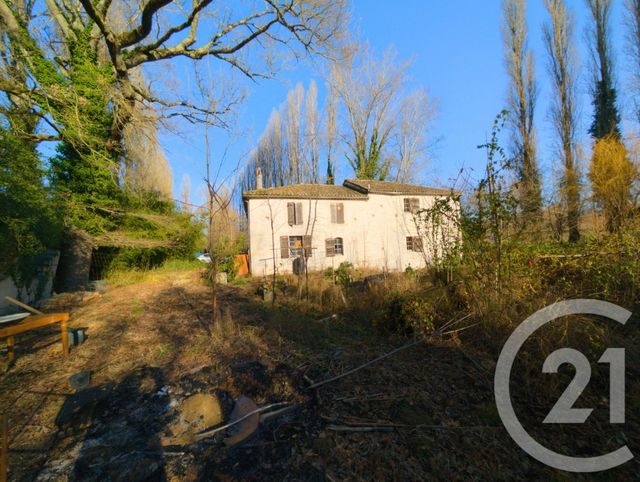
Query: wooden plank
[[22, 305]]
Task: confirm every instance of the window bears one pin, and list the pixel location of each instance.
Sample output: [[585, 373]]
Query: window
[[338, 249], [411, 204], [414, 243], [333, 247], [295, 246], [337, 213], [294, 213]]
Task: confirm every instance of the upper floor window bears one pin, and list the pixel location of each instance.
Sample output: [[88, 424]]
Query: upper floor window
[[337, 213], [294, 213], [411, 204]]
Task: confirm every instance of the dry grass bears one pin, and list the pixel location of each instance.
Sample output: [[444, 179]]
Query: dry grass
[[126, 277], [441, 392]]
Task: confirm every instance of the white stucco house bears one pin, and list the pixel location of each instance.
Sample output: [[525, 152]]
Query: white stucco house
[[368, 223]]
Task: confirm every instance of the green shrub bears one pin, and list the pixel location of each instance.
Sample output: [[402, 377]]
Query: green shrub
[[343, 273], [406, 313]]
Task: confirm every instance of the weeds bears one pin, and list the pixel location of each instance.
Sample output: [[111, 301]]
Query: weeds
[[129, 276]]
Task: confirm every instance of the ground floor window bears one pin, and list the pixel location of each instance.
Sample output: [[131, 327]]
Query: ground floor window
[[295, 246], [414, 243], [333, 246], [338, 249]]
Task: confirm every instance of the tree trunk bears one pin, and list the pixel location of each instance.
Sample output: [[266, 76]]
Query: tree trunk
[[214, 282], [75, 261]]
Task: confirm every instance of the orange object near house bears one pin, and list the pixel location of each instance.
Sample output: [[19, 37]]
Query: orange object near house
[[242, 264]]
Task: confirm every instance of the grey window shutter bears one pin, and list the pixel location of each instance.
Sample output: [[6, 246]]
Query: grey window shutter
[[298, 215], [415, 205], [417, 244], [330, 248], [306, 244], [291, 213], [284, 247], [340, 213], [333, 213]]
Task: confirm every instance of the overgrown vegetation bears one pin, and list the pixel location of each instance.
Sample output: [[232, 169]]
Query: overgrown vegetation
[[489, 269]]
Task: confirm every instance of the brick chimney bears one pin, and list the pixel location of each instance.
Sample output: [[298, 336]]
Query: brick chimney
[[258, 178]]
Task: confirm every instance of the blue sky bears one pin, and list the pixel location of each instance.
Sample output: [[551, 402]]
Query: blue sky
[[457, 55]]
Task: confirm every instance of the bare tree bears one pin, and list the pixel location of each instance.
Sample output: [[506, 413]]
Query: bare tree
[[311, 130], [558, 37], [146, 164], [294, 132], [369, 92], [605, 118], [331, 132], [522, 101], [632, 19], [185, 192], [288, 150], [159, 31], [414, 117], [18, 109], [222, 221], [275, 148]]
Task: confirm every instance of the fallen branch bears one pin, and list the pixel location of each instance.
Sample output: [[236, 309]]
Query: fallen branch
[[375, 360], [451, 332], [209, 433], [327, 318], [438, 332], [277, 413], [372, 428], [451, 322]]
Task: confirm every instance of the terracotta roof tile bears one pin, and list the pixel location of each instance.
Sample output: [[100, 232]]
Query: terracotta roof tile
[[391, 187], [351, 189], [305, 191]]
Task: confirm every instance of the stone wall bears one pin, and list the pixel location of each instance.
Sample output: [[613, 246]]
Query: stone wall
[[38, 288]]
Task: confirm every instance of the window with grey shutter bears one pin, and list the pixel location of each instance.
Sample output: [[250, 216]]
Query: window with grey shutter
[[337, 213], [329, 247], [284, 247], [298, 216], [291, 213], [340, 213], [306, 244]]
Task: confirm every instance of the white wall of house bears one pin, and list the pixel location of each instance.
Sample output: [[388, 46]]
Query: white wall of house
[[374, 232]]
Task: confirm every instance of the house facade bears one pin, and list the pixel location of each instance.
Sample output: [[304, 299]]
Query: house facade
[[370, 224]]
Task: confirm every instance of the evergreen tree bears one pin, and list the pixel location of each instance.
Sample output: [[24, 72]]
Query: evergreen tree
[[606, 118]]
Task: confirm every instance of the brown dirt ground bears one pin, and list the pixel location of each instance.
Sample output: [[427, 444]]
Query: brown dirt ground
[[151, 345]]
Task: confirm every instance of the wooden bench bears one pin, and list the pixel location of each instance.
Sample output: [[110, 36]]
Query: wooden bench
[[31, 323]]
